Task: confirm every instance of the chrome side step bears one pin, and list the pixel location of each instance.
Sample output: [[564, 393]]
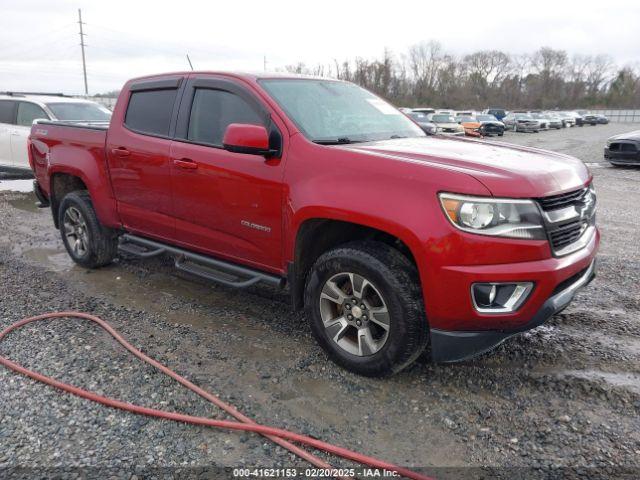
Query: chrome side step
[[219, 271]]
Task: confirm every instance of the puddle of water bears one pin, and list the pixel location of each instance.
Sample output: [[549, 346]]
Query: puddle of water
[[54, 259], [26, 203], [16, 185]]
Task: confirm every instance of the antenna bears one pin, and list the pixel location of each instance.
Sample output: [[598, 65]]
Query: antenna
[[189, 60], [82, 45]]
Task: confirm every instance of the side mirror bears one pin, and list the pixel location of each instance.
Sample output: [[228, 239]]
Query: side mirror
[[245, 138]]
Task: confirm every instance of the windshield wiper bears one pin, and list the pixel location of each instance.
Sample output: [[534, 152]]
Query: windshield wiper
[[393, 137], [336, 141]]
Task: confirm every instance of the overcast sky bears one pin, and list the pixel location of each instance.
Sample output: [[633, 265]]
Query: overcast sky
[[39, 39]]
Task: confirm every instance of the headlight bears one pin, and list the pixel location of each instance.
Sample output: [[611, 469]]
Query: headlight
[[501, 217]]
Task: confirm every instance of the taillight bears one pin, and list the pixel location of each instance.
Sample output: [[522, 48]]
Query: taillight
[[30, 154]]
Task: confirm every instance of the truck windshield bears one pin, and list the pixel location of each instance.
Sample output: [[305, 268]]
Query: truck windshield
[[328, 111], [88, 112]]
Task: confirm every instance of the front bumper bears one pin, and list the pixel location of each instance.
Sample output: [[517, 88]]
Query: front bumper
[[622, 157], [522, 127], [454, 346]]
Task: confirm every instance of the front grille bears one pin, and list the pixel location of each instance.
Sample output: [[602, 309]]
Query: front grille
[[563, 200], [568, 218], [567, 234]]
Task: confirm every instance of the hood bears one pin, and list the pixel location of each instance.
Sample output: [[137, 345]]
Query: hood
[[506, 170], [627, 136]]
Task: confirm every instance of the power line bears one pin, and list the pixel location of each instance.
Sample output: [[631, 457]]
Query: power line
[[82, 45]]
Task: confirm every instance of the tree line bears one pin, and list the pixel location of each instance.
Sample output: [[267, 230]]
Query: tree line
[[427, 75]]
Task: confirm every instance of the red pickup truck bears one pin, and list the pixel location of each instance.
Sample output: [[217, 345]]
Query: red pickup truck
[[391, 240]]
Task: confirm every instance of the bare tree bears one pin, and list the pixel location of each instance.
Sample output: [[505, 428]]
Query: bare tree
[[549, 78]]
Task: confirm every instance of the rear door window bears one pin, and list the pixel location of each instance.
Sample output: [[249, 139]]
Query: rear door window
[[7, 111], [149, 111], [213, 111], [28, 112]]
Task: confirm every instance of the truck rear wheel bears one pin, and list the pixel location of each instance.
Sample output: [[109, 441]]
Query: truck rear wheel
[[88, 243], [365, 306]]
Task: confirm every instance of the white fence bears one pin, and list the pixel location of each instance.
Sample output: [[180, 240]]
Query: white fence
[[623, 116]]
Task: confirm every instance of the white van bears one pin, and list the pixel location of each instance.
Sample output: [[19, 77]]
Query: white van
[[18, 111]]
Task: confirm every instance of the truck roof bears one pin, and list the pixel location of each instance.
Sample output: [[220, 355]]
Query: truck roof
[[252, 76]]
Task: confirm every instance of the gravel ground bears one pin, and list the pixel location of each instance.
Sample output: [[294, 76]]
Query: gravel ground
[[561, 401]]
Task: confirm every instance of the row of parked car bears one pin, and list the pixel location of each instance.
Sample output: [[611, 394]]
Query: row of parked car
[[494, 121]]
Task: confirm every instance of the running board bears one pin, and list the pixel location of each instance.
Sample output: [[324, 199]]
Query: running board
[[219, 271]]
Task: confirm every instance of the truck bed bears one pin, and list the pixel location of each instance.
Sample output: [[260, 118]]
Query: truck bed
[[77, 149]]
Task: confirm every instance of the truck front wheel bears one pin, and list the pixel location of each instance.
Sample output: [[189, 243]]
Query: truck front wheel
[[365, 306], [88, 243]]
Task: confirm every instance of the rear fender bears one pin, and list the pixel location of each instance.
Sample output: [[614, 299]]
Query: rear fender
[[96, 183]]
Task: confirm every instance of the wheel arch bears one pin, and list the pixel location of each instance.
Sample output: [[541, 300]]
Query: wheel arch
[[316, 235], [64, 179], [62, 183]]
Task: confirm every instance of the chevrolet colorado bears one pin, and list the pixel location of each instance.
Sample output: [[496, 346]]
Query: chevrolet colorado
[[390, 239]]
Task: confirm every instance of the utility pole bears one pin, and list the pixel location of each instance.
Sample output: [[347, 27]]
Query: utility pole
[[264, 63], [82, 45]]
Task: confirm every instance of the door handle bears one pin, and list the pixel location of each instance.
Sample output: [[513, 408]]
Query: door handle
[[186, 163], [120, 152]]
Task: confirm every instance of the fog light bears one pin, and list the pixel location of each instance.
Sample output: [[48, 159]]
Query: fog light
[[499, 297]]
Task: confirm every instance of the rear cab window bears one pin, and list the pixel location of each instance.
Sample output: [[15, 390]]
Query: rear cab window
[[149, 111]]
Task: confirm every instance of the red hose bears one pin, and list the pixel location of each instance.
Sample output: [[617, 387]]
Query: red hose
[[278, 435]]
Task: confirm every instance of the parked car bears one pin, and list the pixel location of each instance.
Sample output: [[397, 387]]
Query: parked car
[[489, 125], [470, 124], [390, 239], [576, 116], [624, 149], [17, 113], [423, 122], [446, 124], [499, 113], [544, 121], [425, 110], [568, 118], [521, 122], [602, 119], [589, 119], [554, 120]]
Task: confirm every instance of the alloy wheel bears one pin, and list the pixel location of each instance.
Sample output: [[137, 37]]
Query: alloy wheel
[[75, 231], [354, 314]]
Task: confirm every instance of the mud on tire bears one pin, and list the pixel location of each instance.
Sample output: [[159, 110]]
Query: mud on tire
[[390, 276], [88, 243]]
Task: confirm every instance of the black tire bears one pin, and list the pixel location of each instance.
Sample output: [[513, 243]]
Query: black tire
[[101, 242], [397, 281]]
